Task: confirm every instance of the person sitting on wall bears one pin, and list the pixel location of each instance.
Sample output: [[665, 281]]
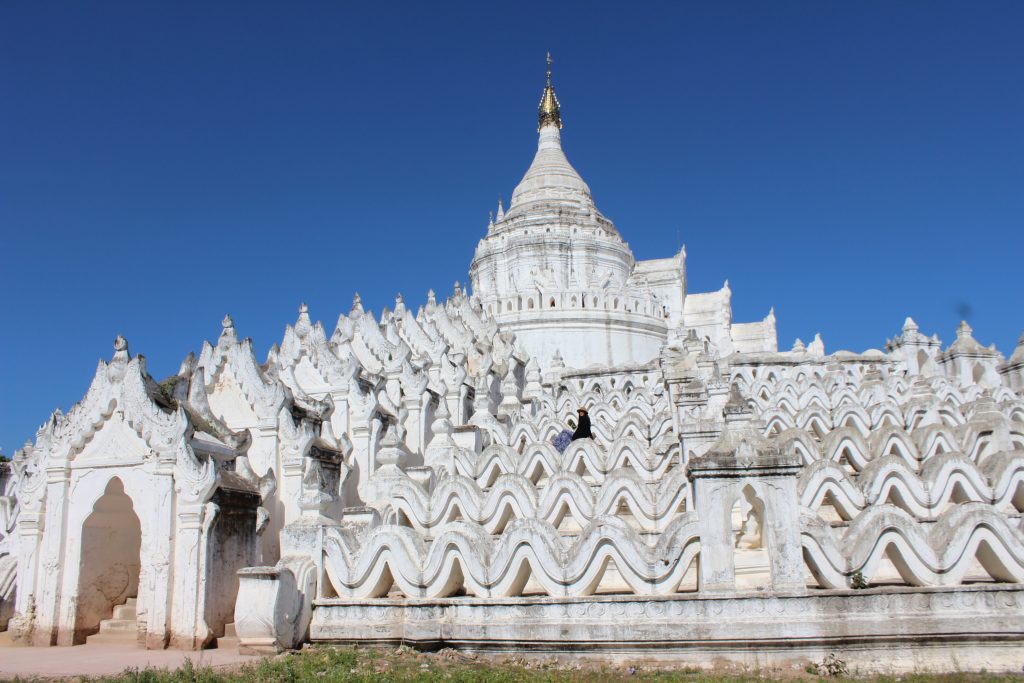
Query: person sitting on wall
[[583, 428]]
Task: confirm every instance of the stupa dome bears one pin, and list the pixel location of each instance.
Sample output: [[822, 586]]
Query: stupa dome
[[551, 179]]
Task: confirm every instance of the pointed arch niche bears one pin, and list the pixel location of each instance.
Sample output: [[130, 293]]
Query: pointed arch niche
[[750, 552], [109, 564]]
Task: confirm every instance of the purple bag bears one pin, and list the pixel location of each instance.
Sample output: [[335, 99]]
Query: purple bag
[[562, 441]]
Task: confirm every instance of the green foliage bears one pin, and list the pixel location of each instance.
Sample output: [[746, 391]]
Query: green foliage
[[349, 665], [858, 581], [167, 389]]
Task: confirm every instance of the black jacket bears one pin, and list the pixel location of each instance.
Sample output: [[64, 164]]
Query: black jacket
[[583, 428]]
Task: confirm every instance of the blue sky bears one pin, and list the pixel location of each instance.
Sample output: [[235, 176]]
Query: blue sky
[[164, 163]]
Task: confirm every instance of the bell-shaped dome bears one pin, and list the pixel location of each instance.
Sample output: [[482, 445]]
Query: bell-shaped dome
[[551, 179], [557, 273]]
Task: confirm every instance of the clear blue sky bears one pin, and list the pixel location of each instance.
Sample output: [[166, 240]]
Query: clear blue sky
[[164, 163]]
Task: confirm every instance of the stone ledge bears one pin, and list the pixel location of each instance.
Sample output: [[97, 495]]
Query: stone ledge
[[898, 629]]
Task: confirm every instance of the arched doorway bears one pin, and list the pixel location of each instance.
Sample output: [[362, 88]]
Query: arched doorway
[[109, 565], [750, 552]]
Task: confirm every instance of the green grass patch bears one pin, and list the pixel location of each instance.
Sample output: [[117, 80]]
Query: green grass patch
[[335, 665]]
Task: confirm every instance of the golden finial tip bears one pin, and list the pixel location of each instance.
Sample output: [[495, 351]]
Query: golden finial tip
[[550, 112]]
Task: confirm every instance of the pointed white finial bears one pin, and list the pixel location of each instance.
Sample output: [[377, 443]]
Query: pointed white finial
[[227, 333], [116, 369]]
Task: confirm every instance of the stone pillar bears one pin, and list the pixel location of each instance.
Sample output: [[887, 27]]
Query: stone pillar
[[292, 471], [440, 454], [392, 458], [781, 526], [455, 398], [510, 403], [414, 428], [339, 422], [265, 442], [295, 443], [188, 627], [713, 501], [69, 581], [30, 530], [364, 433], [157, 604], [51, 557], [263, 451]]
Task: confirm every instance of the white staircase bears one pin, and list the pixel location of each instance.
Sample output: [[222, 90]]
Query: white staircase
[[121, 629]]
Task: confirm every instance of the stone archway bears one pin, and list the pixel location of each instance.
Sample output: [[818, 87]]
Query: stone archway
[[750, 553], [109, 564], [765, 484]]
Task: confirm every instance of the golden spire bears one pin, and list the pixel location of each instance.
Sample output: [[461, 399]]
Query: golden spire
[[549, 111]]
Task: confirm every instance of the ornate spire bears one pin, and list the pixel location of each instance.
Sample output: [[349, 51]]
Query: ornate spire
[[549, 111]]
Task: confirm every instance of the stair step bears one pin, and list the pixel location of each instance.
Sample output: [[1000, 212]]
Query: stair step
[[5, 638], [125, 613], [116, 632], [112, 639], [122, 629], [119, 626], [229, 641], [228, 644]]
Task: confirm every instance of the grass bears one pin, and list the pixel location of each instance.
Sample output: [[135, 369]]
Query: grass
[[334, 665]]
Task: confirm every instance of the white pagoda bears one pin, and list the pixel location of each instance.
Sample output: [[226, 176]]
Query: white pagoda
[[396, 481]]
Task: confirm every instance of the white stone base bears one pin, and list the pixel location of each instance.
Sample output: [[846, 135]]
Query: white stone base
[[887, 630]]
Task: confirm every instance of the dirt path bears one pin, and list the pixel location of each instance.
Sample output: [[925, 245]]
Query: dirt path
[[103, 660]]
